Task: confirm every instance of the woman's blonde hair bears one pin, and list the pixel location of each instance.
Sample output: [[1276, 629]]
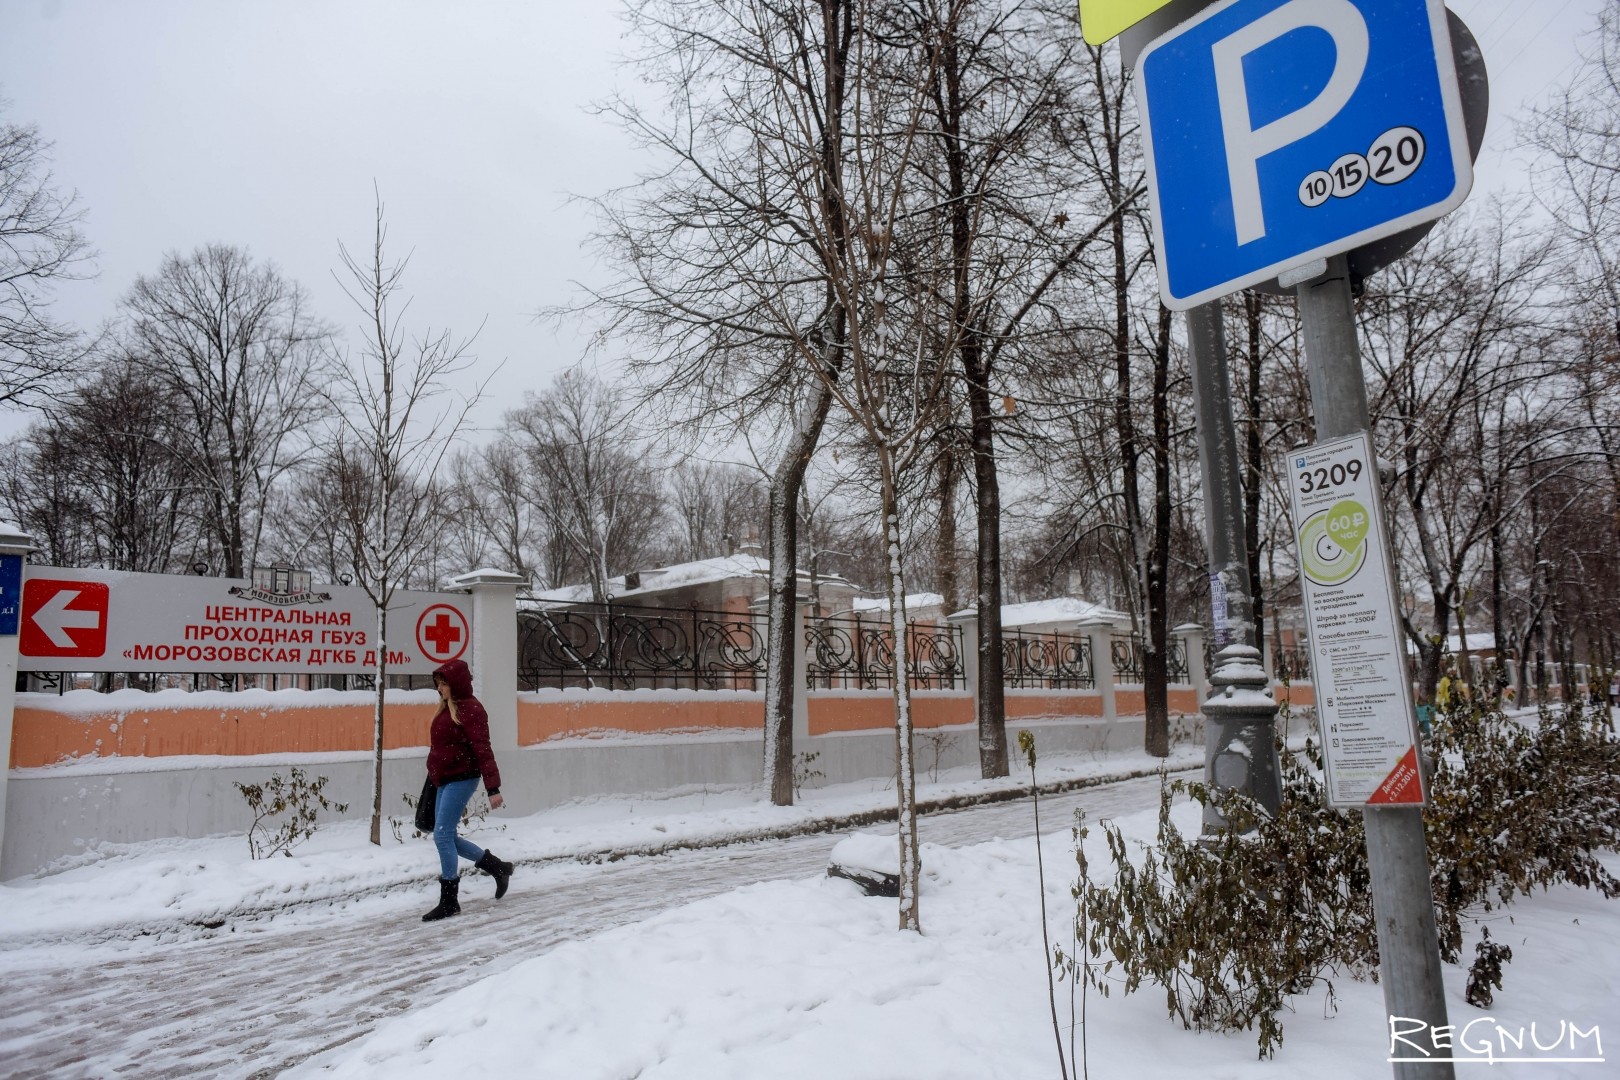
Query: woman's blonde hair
[[449, 702]]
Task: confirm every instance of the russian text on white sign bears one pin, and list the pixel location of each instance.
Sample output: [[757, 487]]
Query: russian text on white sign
[[1357, 647], [1281, 131], [108, 620]]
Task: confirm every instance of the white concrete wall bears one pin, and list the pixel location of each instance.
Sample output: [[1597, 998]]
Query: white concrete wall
[[56, 813]]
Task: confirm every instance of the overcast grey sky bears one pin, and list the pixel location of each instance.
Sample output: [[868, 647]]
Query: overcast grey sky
[[182, 122]]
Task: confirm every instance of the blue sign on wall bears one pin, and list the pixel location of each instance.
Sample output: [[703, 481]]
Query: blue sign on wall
[[1281, 131], [10, 593]]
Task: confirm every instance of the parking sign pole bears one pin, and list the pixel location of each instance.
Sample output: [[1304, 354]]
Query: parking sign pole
[[1397, 857]]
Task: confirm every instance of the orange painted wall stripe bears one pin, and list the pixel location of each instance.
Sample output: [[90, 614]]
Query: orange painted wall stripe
[[540, 721], [45, 736], [1053, 706], [875, 712], [1184, 699], [1298, 695]]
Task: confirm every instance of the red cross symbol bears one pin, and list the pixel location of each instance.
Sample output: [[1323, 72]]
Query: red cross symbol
[[441, 632]]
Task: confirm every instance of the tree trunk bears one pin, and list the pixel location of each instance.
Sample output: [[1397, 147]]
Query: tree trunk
[[905, 771], [1431, 649], [1498, 627], [1156, 662], [1254, 463], [992, 701], [781, 664], [377, 724], [991, 706], [945, 538]]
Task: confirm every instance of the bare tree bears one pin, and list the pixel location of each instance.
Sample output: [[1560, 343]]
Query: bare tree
[[40, 244], [493, 521], [587, 478], [1449, 330], [717, 314], [234, 343], [96, 480], [397, 420], [717, 505]]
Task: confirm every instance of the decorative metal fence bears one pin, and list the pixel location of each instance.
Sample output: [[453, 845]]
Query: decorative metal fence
[[1291, 664], [105, 682], [851, 653], [621, 647], [1127, 655], [1046, 661], [1176, 662]]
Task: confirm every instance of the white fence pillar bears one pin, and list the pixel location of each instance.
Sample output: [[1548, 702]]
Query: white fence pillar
[[494, 650], [969, 622], [1192, 640], [14, 548], [801, 694], [1099, 636]]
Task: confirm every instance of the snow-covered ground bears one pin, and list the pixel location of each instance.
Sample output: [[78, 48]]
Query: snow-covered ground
[[809, 978], [792, 974]]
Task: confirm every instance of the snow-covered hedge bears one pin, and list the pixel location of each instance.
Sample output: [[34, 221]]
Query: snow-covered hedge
[[1233, 926]]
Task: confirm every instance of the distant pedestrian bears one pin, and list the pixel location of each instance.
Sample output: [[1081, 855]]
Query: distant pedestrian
[[458, 755]]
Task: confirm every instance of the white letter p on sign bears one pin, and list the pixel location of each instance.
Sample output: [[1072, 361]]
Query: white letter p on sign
[[1246, 145]]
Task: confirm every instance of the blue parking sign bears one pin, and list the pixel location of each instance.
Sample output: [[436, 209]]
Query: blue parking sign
[[1282, 131]]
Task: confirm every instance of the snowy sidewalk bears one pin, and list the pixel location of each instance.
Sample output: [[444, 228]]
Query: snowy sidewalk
[[182, 888], [253, 996]]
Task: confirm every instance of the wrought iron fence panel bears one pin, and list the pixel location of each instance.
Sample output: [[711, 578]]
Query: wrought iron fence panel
[[624, 647], [1126, 653], [1292, 664], [1176, 662], [852, 653], [1046, 662], [935, 657]]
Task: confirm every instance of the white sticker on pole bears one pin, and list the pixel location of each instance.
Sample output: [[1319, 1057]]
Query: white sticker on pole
[[1358, 655]]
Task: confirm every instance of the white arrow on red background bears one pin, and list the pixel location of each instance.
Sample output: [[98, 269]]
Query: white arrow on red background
[[55, 618]]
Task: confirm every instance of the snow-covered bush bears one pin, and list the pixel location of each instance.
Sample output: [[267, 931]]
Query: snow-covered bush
[[1515, 806], [1233, 925], [276, 796]]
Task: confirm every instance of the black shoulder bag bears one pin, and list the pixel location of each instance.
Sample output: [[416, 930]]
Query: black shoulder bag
[[425, 804]]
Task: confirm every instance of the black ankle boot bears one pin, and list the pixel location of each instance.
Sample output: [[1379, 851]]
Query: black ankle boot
[[448, 904], [500, 871]]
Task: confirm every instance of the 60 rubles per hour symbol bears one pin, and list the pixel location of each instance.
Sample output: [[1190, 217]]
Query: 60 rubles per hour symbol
[[1333, 544], [1393, 156]]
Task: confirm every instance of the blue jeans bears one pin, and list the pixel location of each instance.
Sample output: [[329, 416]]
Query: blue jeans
[[453, 798]]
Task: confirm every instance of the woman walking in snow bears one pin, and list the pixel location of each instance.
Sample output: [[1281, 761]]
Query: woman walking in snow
[[458, 755]]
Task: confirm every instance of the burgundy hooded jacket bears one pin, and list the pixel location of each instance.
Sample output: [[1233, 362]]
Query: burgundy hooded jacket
[[460, 751]]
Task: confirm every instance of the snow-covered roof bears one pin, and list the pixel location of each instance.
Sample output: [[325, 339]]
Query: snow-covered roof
[[677, 576], [1484, 641], [914, 602], [1058, 611], [700, 572]]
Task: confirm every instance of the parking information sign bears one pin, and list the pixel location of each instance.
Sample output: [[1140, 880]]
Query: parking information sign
[[1282, 131], [1358, 654]]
